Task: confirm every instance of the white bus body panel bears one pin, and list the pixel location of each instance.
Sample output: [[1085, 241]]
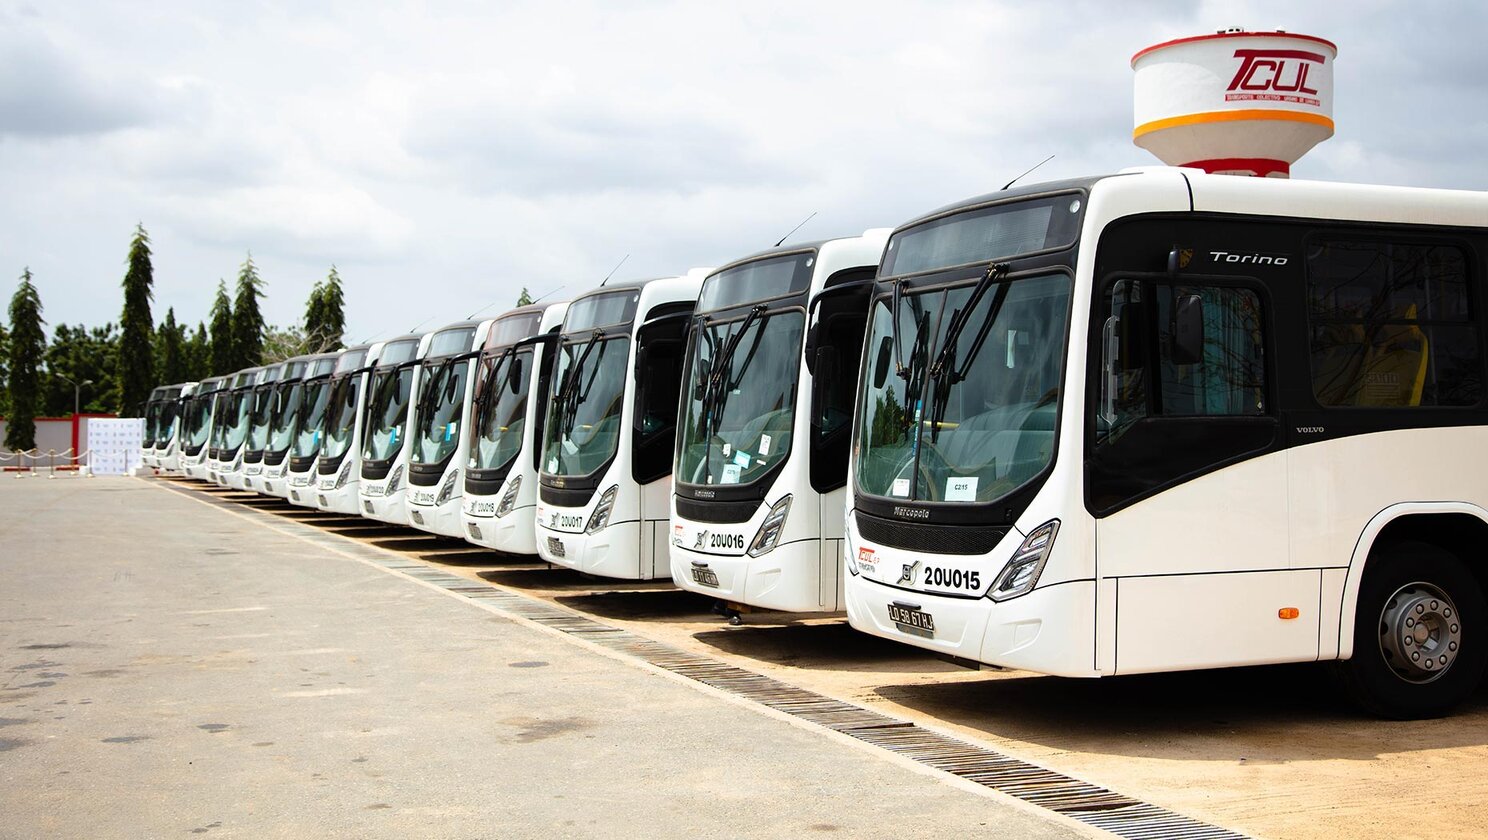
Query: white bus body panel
[[376, 502], [515, 532], [634, 545], [424, 510], [803, 573]]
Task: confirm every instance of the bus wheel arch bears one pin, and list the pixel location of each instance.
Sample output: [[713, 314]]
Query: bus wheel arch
[[1416, 571]]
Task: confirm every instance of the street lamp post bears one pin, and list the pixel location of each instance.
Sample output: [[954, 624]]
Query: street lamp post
[[77, 388]]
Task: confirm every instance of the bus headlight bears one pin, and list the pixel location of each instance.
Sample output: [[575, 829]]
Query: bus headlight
[[1023, 570], [345, 474], [447, 491], [769, 532], [509, 498], [395, 480], [601, 515]]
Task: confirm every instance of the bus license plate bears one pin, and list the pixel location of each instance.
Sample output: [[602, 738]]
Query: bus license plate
[[418, 518], [913, 621], [295, 494], [474, 529], [555, 547], [367, 506], [707, 577], [323, 502]]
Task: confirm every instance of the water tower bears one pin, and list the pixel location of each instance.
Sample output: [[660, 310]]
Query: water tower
[[1235, 102]]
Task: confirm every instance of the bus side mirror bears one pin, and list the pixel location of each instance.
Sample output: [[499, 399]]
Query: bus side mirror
[[514, 374], [881, 362], [1188, 330]]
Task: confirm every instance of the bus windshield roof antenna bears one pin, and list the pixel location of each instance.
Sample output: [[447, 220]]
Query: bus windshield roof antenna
[[615, 269], [1030, 169], [796, 228]]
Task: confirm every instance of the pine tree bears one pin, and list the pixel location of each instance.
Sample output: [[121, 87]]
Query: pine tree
[[524, 299], [27, 343], [171, 364], [220, 359], [4, 371], [332, 312], [314, 317], [136, 370], [247, 319], [198, 354]]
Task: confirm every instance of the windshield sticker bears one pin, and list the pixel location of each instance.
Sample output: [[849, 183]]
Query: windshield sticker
[[727, 450], [742, 459], [393, 436], [961, 489], [764, 447], [901, 487], [730, 474], [449, 431], [552, 465]]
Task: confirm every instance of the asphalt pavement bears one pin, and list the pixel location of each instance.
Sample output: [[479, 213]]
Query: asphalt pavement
[[168, 668]]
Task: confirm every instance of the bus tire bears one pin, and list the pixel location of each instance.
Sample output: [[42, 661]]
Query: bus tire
[[1420, 641]]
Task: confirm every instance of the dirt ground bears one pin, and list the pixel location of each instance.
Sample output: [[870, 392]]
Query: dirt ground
[[1272, 752]]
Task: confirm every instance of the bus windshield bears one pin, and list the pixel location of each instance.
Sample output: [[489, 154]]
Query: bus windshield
[[165, 426], [308, 419], [739, 398], [240, 411], [441, 404], [286, 408], [503, 409], [973, 420], [262, 418], [340, 420], [197, 428], [583, 427], [152, 424], [386, 412], [221, 406]]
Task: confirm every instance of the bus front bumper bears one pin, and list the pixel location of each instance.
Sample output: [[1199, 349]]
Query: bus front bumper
[[513, 533], [1050, 630], [613, 551], [787, 579]]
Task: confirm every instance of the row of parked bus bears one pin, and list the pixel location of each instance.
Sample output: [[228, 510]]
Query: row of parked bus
[[1152, 421]]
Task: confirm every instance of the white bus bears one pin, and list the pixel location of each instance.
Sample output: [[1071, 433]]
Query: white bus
[[385, 445], [759, 483], [606, 467], [339, 469], [265, 450], [230, 423], [168, 429], [437, 439], [1167, 420], [196, 427], [511, 398], [154, 406], [309, 419], [255, 407]]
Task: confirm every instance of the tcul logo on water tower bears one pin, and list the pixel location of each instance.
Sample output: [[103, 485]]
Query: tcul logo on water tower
[[1274, 75]]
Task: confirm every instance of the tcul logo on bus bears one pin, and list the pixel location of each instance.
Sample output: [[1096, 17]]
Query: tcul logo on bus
[[1275, 75]]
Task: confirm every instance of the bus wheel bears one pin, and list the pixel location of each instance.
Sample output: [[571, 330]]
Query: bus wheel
[[1419, 635]]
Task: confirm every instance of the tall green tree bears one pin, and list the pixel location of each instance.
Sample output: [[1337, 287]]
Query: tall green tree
[[325, 314], [75, 356], [247, 319], [220, 359], [27, 343], [170, 351], [136, 364], [525, 298], [4, 370], [198, 354]]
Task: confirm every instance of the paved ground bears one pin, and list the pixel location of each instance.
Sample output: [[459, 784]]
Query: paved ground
[[169, 669], [1271, 752]]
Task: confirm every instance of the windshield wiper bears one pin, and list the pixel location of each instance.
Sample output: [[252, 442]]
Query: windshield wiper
[[961, 316], [944, 378], [569, 396]]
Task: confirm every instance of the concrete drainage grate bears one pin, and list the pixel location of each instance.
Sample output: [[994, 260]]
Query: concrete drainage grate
[[1090, 804]]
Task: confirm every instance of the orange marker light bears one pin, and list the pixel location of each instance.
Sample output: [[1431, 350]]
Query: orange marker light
[[1288, 613]]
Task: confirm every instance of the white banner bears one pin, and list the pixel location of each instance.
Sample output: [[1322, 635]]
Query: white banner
[[114, 444]]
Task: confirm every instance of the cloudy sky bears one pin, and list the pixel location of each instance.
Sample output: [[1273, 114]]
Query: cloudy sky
[[444, 155]]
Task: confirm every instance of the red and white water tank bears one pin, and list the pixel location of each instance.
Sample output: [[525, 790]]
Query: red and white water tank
[[1235, 102]]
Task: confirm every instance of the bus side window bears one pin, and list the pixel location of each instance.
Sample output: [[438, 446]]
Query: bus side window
[[1391, 325], [841, 321]]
